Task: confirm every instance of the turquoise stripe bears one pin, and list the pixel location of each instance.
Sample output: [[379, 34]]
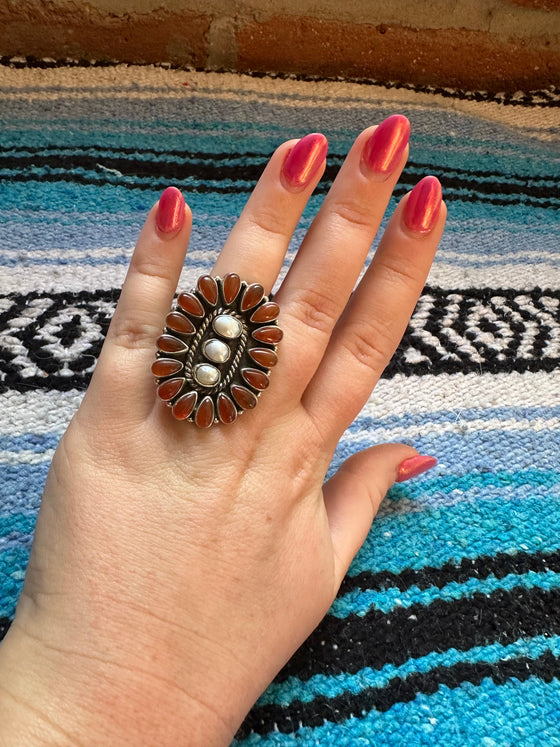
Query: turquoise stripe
[[13, 563], [465, 530], [485, 715], [320, 685], [358, 602]]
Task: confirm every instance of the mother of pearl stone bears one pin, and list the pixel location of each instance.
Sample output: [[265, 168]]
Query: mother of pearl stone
[[216, 351], [206, 375], [227, 326]]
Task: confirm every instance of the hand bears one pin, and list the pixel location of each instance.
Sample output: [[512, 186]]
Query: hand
[[174, 569]]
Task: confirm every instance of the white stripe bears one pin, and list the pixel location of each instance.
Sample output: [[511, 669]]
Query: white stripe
[[37, 412], [26, 457]]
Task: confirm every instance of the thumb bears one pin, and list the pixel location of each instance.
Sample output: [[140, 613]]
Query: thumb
[[352, 496]]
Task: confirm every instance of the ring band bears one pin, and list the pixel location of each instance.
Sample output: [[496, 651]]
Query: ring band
[[215, 354]]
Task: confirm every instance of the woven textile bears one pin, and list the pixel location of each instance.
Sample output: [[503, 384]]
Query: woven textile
[[447, 628]]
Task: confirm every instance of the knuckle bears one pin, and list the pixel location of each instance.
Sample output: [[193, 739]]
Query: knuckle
[[401, 274], [266, 219], [316, 309], [371, 347], [152, 266], [352, 213], [133, 334]]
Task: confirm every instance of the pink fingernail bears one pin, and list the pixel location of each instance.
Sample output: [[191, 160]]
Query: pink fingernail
[[170, 214], [384, 148], [422, 207], [414, 466], [304, 161]]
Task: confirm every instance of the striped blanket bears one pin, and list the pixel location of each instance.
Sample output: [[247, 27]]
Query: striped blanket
[[447, 629]]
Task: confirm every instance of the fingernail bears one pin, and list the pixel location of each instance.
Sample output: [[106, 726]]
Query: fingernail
[[414, 466], [384, 148], [304, 161], [422, 207], [170, 214]]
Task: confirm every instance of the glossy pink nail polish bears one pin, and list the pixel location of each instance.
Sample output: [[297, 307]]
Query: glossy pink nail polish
[[414, 466], [384, 148], [304, 161], [422, 207], [170, 214]]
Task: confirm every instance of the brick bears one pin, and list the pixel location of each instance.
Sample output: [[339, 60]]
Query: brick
[[444, 57]]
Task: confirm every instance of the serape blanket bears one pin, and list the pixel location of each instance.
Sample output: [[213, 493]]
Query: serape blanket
[[447, 629]]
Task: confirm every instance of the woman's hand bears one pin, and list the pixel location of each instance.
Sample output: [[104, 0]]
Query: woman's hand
[[174, 569]]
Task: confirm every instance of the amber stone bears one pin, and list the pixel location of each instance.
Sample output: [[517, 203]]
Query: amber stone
[[244, 397], [184, 406], [264, 356], [266, 313], [231, 284], [268, 334], [179, 323], [165, 367], [170, 388], [253, 294], [205, 414], [207, 286], [170, 344], [190, 304], [255, 378], [227, 412]]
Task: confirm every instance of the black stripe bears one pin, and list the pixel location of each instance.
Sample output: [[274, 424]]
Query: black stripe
[[500, 566], [207, 173], [264, 719], [548, 97], [5, 623], [375, 639]]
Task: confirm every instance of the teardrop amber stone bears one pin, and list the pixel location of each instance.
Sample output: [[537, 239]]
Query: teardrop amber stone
[[207, 286], [190, 304], [243, 396], [253, 294], [264, 356], [170, 388], [165, 367], [227, 411], [255, 378], [170, 344], [184, 406], [266, 313], [232, 284], [179, 323], [205, 414], [273, 335]]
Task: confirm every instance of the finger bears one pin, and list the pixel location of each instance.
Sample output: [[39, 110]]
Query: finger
[[376, 317], [122, 372], [326, 268], [257, 245], [353, 495]]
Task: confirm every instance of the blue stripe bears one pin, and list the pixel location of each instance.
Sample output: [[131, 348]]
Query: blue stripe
[[331, 686]]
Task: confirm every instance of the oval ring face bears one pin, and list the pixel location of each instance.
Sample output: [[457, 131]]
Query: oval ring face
[[215, 354]]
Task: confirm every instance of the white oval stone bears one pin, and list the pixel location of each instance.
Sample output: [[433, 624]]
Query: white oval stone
[[227, 326], [206, 375], [216, 351]]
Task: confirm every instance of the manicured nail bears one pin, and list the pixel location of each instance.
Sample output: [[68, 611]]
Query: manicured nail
[[414, 466], [304, 161], [385, 146], [422, 207], [170, 214]]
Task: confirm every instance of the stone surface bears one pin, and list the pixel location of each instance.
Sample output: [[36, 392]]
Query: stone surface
[[190, 303], [207, 286], [205, 414], [232, 284], [245, 398], [227, 326], [253, 294], [257, 379], [272, 334], [264, 356], [179, 323], [170, 344], [227, 411], [165, 367], [216, 351], [184, 406], [266, 313], [206, 375], [170, 388]]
